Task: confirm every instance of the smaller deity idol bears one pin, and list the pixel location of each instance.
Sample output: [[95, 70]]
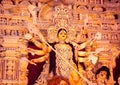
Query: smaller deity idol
[[102, 75]]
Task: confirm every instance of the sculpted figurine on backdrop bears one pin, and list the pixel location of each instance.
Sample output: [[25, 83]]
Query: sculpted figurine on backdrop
[[62, 60], [62, 56], [102, 75]]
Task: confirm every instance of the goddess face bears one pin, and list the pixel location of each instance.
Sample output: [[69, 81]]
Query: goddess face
[[62, 34], [102, 75]]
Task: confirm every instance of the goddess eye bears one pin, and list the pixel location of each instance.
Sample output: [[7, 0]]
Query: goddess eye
[[58, 9], [65, 10]]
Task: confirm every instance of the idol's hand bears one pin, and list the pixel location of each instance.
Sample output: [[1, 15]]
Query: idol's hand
[[34, 60], [28, 36]]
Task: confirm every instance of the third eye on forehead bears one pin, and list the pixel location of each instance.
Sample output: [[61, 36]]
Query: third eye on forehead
[[62, 33]]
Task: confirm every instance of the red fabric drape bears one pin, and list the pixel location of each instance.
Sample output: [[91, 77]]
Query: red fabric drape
[[33, 71]]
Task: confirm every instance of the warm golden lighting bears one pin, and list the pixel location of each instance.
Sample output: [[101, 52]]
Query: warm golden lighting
[[70, 42]]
